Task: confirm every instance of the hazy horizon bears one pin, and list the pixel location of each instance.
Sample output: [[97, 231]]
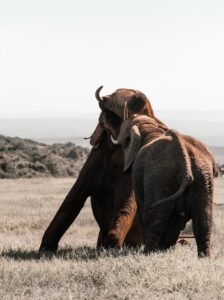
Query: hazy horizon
[[203, 113], [205, 125]]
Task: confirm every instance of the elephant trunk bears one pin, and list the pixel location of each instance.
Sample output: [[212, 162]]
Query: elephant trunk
[[97, 93]]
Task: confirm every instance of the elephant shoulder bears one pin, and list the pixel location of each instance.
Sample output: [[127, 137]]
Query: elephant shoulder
[[176, 138], [169, 140], [157, 146], [176, 135], [199, 152], [162, 146], [195, 146]]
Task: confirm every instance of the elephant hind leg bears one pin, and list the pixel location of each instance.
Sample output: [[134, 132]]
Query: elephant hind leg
[[202, 223], [99, 240], [154, 225], [171, 234], [134, 236]]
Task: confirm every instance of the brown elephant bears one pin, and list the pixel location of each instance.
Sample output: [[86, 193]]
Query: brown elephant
[[173, 180], [102, 178]]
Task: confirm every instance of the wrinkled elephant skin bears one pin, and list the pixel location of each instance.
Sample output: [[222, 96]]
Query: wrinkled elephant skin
[[173, 179]]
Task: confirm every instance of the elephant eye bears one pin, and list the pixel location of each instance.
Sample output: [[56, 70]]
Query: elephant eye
[[127, 142]]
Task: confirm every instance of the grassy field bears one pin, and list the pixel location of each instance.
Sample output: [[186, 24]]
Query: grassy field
[[78, 271]]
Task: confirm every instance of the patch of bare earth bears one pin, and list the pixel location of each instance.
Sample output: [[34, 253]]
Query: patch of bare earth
[[78, 271]]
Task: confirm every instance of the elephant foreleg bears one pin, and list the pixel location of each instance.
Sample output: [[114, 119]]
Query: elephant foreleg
[[69, 209], [124, 214], [66, 214]]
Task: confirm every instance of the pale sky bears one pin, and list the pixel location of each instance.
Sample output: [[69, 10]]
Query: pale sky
[[54, 54]]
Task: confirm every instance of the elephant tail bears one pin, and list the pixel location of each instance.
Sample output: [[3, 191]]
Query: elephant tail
[[185, 167], [185, 182]]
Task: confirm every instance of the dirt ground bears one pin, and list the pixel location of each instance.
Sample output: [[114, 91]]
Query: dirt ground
[[78, 271]]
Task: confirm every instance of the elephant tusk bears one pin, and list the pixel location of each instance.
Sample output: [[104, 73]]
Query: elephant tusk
[[97, 93], [115, 142]]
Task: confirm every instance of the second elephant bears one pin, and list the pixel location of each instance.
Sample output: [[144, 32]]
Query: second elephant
[[173, 179]]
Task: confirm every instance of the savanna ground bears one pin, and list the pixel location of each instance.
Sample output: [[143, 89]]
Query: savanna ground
[[78, 271]]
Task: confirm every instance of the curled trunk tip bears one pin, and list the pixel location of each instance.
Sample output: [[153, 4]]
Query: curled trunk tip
[[97, 93]]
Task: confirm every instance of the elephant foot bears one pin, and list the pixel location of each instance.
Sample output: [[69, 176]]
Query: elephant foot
[[111, 241], [48, 248], [151, 249], [204, 252]]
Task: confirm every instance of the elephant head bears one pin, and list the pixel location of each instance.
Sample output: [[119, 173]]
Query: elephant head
[[112, 107], [130, 136], [116, 101]]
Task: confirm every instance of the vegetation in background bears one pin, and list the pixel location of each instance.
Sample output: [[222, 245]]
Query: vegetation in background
[[25, 158]]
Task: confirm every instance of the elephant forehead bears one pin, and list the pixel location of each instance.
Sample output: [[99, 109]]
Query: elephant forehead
[[116, 101], [123, 95], [125, 91]]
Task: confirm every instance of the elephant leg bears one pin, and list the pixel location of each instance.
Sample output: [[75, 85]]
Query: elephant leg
[[99, 240], [69, 209], [102, 207], [124, 213], [134, 236], [66, 214], [202, 223], [154, 225], [171, 234]]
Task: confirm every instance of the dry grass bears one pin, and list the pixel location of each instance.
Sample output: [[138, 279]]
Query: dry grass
[[78, 271]]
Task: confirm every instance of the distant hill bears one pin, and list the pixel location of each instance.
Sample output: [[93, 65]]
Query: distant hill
[[27, 158], [84, 142], [218, 151], [57, 137]]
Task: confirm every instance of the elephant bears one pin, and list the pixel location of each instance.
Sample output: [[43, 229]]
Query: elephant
[[103, 180], [173, 180]]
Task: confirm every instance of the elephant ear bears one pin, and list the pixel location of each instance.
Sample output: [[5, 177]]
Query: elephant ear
[[132, 148], [97, 136], [139, 104]]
